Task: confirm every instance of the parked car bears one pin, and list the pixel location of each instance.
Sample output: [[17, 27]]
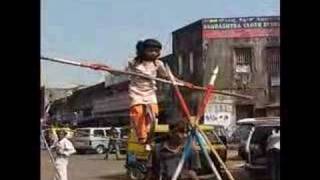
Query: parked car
[[255, 144], [92, 138], [240, 136]]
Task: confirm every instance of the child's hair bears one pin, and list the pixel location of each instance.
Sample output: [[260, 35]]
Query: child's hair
[[139, 49], [141, 45], [152, 43]]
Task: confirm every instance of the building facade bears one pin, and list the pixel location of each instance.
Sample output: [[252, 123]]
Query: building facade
[[247, 51], [103, 104]]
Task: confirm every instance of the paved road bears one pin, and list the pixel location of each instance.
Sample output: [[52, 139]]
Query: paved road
[[94, 167], [86, 167]]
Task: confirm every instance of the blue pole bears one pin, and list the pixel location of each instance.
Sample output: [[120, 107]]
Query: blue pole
[[205, 152], [185, 155]]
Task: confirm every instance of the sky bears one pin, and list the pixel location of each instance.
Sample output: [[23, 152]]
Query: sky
[[106, 31]]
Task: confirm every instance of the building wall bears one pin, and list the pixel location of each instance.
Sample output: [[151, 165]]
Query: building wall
[[221, 53], [185, 41], [223, 35], [221, 111], [113, 109], [104, 104], [214, 41], [165, 94], [53, 94], [80, 103]]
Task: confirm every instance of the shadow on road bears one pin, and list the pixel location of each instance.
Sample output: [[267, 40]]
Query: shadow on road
[[115, 177]]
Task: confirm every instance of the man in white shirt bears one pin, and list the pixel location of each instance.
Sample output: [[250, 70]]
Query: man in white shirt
[[63, 148], [273, 151]]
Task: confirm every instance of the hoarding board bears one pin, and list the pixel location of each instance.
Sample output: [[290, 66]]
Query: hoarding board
[[220, 111], [241, 23]]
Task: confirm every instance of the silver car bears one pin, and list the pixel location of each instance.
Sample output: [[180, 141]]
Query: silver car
[[254, 148], [92, 138]]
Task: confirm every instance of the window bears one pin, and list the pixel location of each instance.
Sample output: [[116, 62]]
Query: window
[[273, 60], [98, 133], [261, 134], [243, 132], [244, 111], [243, 59], [87, 113], [260, 112], [191, 62], [82, 133], [108, 132], [180, 65], [273, 64]]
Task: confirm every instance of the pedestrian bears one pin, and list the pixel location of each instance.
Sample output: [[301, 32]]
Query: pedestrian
[[63, 148], [114, 141], [166, 155], [273, 153], [142, 91]]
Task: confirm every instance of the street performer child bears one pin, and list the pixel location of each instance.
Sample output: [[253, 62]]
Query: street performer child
[[142, 91]]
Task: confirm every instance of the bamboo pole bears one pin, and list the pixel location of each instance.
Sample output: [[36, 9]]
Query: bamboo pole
[[50, 153], [185, 155], [206, 154], [215, 153]]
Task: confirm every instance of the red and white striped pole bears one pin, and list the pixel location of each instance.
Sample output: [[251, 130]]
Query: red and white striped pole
[[101, 67]]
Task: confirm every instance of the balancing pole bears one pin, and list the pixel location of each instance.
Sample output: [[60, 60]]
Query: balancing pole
[[108, 69]]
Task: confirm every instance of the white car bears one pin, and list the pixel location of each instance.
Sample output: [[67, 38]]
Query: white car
[[254, 145], [92, 138]]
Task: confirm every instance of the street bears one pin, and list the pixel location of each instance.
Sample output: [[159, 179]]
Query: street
[[86, 167], [206, 82], [94, 167]]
